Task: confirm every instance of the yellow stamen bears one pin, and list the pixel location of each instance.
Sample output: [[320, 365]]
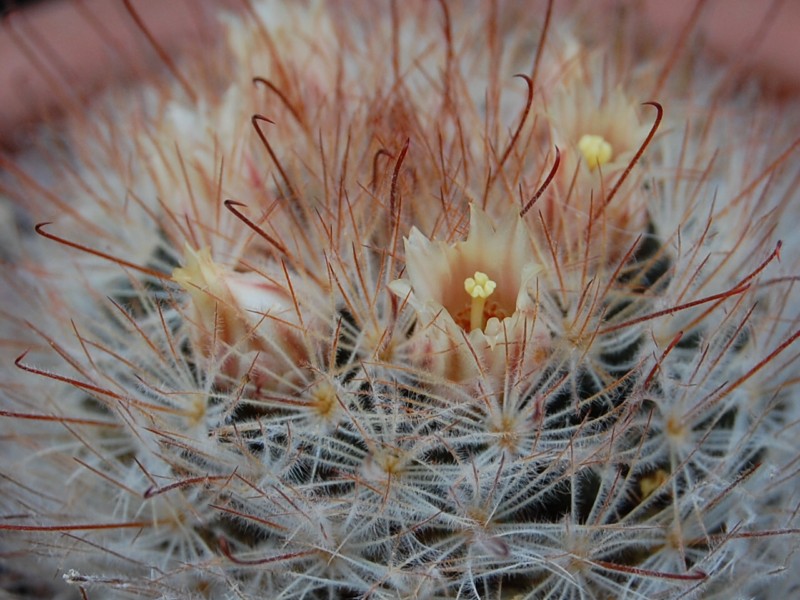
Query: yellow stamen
[[479, 287], [596, 150]]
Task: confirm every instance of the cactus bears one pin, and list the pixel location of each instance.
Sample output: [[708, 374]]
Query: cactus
[[352, 312]]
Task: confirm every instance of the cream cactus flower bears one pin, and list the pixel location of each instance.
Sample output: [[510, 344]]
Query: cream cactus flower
[[479, 291], [247, 312], [598, 132], [602, 132]]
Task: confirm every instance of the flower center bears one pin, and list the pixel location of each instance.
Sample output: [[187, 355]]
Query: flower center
[[596, 150], [479, 287]]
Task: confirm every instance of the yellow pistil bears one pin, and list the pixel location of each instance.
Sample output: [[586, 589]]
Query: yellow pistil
[[479, 287], [596, 150]]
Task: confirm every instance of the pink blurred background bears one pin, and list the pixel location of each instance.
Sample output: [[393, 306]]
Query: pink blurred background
[[59, 51]]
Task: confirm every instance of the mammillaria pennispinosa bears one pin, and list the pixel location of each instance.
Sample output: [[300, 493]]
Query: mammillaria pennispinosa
[[424, 300]]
